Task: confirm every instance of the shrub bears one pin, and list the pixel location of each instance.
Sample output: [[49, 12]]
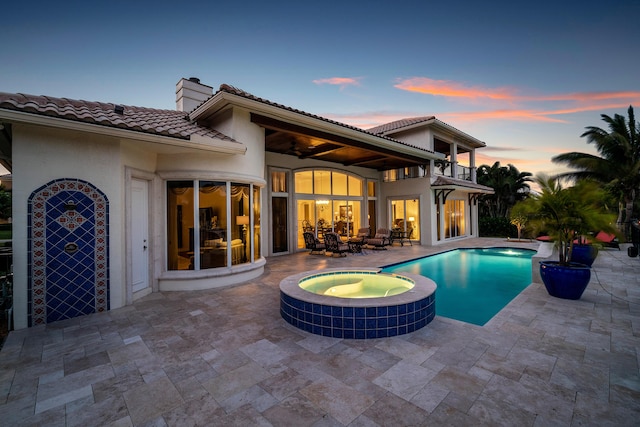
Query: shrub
[[497, 227]]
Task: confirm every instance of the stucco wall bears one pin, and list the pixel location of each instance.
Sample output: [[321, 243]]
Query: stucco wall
[[41, 155]]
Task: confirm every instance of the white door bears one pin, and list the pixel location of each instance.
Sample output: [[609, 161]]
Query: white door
[[140, 234]]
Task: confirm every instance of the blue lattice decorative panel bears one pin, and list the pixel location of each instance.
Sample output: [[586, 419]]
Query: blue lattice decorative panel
[[68, 251]]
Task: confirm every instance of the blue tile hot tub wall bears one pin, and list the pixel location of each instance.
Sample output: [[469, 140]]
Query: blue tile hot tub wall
[[357, 322]]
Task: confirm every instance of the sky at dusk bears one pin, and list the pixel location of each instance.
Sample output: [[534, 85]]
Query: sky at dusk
[[524, 77]]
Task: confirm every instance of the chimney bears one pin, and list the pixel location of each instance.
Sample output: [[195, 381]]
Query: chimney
[[190, 93]]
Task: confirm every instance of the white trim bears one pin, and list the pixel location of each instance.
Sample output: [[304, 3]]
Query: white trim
[[206, 175]]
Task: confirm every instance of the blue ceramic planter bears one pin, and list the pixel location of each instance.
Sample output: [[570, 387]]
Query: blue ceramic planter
[[584, 254], [567, 282]]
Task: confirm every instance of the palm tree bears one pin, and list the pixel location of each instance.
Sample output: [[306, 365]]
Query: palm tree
[[510, 186], [617, 168]]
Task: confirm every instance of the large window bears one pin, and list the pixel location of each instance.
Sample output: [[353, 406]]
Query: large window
[[328, 201], [211, 224]]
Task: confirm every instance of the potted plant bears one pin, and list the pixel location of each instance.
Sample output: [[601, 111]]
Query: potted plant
[[565, 214], [584, 251]]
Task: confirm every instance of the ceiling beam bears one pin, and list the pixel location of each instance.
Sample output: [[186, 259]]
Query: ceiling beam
[[275, 124]]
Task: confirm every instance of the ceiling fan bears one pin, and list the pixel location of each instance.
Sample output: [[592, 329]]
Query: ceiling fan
[[294, 149]]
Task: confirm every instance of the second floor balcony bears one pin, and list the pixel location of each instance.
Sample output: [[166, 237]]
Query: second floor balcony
[[438, 168]]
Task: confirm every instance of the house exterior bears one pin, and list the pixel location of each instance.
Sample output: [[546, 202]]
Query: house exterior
[[112, 202]]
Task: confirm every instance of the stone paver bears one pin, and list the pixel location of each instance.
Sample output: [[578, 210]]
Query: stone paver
[[225, 357]]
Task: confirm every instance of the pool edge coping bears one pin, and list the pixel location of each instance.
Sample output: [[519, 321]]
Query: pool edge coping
[[423, 288]]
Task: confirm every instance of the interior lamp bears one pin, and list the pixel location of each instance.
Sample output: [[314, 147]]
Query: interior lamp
[[243, 220]]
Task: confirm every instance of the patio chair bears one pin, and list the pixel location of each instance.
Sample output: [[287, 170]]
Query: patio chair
[[409, 235], [335, 245], [363, 233], [313, 244], [306, 225], [607, 240], [381, 239]]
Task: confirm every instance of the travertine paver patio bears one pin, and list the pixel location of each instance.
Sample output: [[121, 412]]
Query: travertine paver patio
[[225, 357]]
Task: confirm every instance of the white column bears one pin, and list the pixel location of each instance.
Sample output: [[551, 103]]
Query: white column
[[454, 160], [472, 165]]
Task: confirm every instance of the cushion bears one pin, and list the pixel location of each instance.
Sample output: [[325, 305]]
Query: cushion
[[212, 242], [605, 237], [234, 242]]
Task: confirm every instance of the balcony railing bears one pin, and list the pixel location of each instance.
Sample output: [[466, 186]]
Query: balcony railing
[[441, 168]]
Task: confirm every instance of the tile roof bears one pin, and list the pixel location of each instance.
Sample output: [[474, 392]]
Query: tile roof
[[235, 91], [171, 123], [398, 124], [402, 123], [442, 181]]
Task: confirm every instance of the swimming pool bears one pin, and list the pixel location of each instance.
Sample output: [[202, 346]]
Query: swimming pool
[[473, 284]]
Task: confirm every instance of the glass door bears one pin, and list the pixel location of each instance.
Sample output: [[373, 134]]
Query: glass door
[[279, 224]]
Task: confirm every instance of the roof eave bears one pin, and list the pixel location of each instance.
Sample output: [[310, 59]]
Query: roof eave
[[474, 142], [221, 100], [195, 142]]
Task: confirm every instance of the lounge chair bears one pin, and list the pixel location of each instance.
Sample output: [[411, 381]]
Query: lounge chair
[[381, 239], [607, 240], [363, 233], [313, 244], [335, 245]]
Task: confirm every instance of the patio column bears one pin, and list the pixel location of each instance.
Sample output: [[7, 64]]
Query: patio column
[[454, 160], [472, 166]]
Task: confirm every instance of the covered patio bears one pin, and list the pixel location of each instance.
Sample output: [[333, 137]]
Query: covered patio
[[226, 357]]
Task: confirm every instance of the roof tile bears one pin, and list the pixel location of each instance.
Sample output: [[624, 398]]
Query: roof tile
[[138, 119], [442, 181], [398, 124]]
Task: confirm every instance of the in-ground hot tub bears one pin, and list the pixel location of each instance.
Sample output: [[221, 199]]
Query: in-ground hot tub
[[351, 303]]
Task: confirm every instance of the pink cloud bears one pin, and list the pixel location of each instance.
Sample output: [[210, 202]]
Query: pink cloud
[[450, 88], [583, 101], [339, 81], [504, 114]]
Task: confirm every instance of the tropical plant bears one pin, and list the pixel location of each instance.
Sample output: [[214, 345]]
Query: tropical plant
[[5, 203], [617, 167], [519, 219], [566, 213], [495, 227], [509, 184]]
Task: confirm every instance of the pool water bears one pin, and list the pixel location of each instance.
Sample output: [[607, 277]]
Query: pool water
[[473, 284], [356, 284]]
